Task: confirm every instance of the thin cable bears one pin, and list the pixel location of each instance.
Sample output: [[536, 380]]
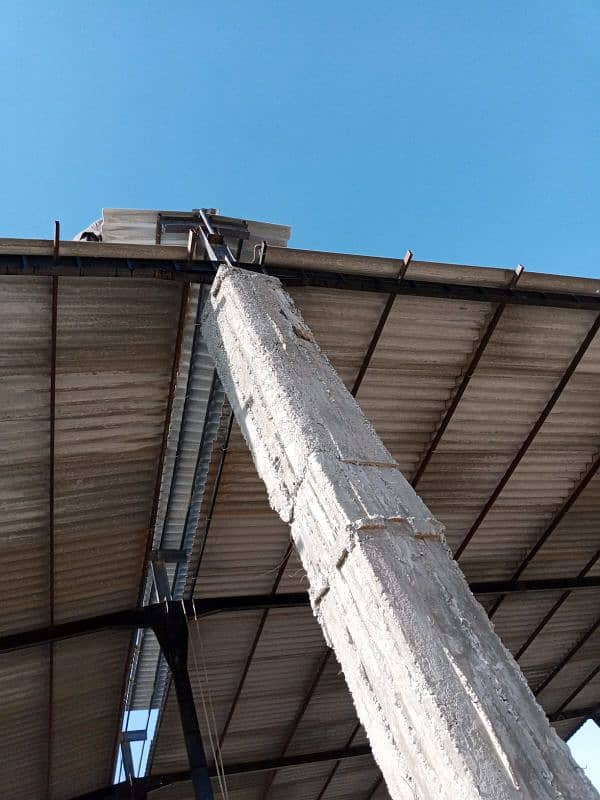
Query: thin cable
[[211, 707], [214, 720], [217, 760], [208, 726]]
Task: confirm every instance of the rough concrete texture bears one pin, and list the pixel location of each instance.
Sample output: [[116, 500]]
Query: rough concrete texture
[[446, 708]]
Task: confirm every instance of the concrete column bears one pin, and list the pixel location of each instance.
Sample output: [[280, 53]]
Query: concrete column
[[446, 708]]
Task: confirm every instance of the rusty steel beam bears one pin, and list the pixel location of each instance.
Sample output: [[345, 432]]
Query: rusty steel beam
[[254, 645], [121, 791], [380, 326], [547, 617], [466, 379], [147, 616], [564, 661], [202, 271], [554, 397], [555, 522], [578, 689]]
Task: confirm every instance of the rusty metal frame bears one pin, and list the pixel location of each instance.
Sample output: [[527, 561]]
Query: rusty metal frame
[[589, 474], [521, 452], [565, 660], [122, 791], [203, 271], [380, 326], [466, 379]]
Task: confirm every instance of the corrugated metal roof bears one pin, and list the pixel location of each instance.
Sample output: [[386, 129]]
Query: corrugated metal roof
[[114, 350], [114, 353], [87, 684], [246, 540], [24, 722], [25, 324], [420, 360], [353, 777], [271, 689]]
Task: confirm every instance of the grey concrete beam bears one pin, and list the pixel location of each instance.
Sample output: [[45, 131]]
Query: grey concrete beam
[[446, 708]]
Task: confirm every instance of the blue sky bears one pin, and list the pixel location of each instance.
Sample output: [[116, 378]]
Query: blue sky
[[468, 132], [585, 746]]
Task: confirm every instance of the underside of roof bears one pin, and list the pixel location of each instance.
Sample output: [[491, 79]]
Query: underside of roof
[[118, 443], [86, 369]]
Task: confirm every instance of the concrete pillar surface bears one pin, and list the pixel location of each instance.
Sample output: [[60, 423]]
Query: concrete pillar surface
[[447, 710]]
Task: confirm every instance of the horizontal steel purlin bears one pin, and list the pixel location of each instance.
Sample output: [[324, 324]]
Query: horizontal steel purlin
[[197, 271], [153, 782], [153, 615], [149, 616]]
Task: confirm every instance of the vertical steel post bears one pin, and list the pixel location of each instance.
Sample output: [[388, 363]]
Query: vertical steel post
[[173, 638]]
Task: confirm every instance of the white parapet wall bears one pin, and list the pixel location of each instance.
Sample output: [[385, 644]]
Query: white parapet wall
[[447, 710]]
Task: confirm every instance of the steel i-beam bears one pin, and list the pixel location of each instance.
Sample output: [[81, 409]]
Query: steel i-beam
[[173, 638]]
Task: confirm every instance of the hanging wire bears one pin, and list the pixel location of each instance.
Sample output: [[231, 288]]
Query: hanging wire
[[210, 720], [211, 706], [211, 726]]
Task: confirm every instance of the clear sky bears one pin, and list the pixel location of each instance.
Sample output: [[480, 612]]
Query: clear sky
[[468, 132], [465, 131]]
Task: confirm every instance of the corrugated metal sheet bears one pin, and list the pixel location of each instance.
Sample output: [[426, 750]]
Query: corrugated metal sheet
[[496, 413], [520, 614], [564, 630], [580, 528], [287, 656], [588, 696], [425, 347], [115, 346], [134, 226], [114, 350], [25, 326], [24, 695], [240, 787], [342, 324], [329, 719], [418, 364], [567, 728], [176, 457], [381, 793], [150, 670], [87, 678], [302, 783], [354, 777], [246, 540]]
